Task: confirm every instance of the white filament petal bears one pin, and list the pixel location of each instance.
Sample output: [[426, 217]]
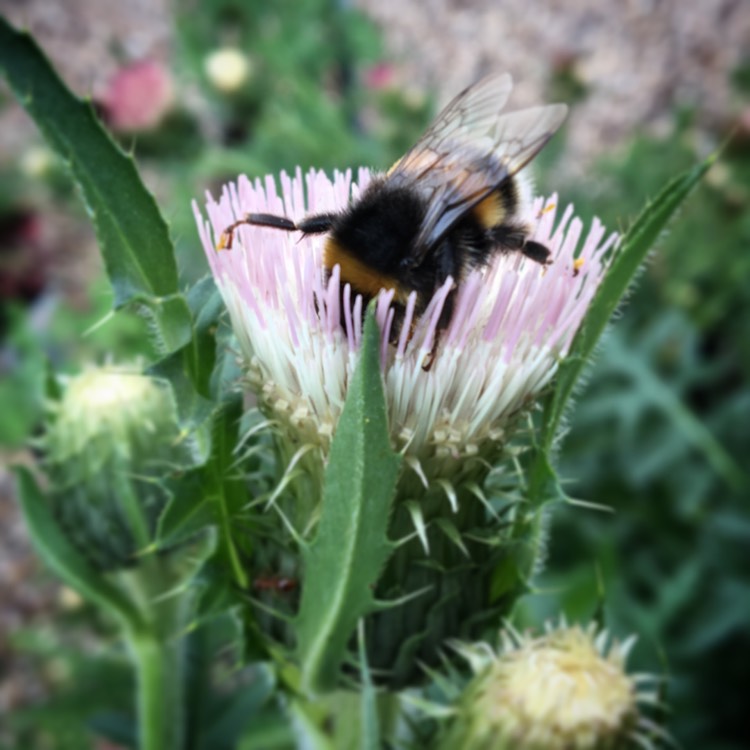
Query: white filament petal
[[299, 333]]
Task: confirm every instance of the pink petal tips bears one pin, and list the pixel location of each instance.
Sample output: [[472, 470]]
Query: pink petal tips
[[299, 334]]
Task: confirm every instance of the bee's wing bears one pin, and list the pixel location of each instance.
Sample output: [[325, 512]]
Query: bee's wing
[[468, 151]]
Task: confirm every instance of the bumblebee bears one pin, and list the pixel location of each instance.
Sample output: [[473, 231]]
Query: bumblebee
[[448, 206]]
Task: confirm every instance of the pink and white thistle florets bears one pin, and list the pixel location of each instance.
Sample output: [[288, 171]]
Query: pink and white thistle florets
[[513, 322]]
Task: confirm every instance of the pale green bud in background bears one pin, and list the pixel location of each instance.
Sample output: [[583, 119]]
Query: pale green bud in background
[[228, 69], [112, 441], [37, 162]]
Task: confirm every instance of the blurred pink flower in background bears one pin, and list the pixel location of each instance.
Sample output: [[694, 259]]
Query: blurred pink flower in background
[[138, 96], [379, 76]]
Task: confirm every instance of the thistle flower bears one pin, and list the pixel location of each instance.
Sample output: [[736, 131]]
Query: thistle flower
[[138, 96], [512, 324], [465, 552], [379, 76], [564, 690]]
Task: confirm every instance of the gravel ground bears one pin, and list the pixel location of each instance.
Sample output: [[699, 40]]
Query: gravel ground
[[23, 599], [636, 58]]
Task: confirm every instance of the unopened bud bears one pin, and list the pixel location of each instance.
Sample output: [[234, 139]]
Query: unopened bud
[[565, 690], [113, 438]]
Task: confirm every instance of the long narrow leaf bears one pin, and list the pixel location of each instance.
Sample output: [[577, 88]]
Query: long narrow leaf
[[344, 561], [132, 234], [635, 246]]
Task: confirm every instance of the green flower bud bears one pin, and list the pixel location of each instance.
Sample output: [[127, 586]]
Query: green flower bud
[[565, 690], [112, 440]]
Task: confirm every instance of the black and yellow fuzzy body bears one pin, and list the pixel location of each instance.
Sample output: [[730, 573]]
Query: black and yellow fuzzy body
[[373, 241], [449, 205]]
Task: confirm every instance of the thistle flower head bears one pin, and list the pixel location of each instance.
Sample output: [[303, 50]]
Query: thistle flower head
[[564, 690], [299, 332], [112, 437], [117, 409]]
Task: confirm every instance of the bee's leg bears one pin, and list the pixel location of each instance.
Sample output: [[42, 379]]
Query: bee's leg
[[427, 363], [268, 220], [537, 252], [446, 314], [258, 220], [510, 237], [316, 224], [447, 266], [399, 312]]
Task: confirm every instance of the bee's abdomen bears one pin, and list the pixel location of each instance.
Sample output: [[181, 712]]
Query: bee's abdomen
[[499, 206], [364, 279]]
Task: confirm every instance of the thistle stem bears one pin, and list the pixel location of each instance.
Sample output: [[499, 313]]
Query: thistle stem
[[159, 666], [157, 649]]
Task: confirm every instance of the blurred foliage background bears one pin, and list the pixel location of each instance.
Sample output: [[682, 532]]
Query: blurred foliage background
[[658, 436]]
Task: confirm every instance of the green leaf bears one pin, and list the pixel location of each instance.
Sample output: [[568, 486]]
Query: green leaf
[[132, 234], [669, 402], [635, 246], [189, 369], [206, 495], [190, 509], [193, 410], [369, 709], [216, 718], [55, 549], [210, 495], [304, 720], [188, 372], [344, 561], [206, 306], [22, 385]]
